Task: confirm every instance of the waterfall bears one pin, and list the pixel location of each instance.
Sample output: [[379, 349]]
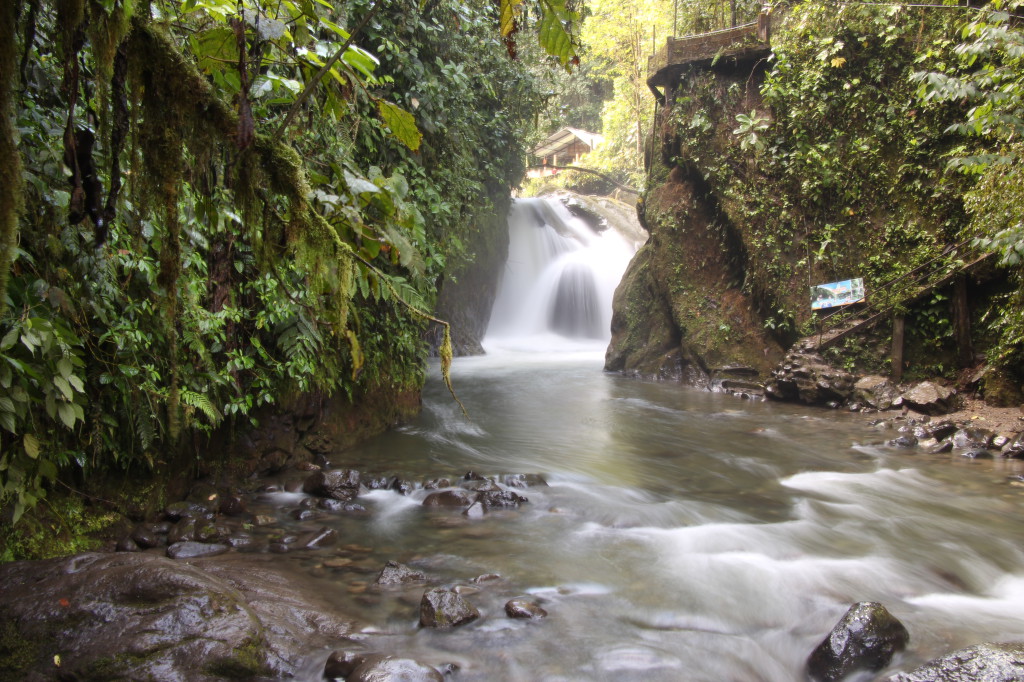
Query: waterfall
[[556, 289]]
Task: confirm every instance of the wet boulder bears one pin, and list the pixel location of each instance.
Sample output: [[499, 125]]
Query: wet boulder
[[455, 497], [142, 616], [929, 398], [444, 608], [524, 608], [395, 573], [807, 377], [378, 668], [866, 638], [979, 663], [146, 537], [338, 484]]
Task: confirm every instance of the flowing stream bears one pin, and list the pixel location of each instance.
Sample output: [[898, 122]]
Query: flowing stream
[[683, 535]]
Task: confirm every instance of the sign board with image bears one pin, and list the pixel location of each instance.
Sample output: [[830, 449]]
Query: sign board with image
[[836, 294]]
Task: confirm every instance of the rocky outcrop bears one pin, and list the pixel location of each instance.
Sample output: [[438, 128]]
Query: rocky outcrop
[[143, 616], [806, 377], [680, 309], [864, 639], [980, 663]]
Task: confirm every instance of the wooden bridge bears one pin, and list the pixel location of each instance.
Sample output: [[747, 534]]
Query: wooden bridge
[[738, 43]]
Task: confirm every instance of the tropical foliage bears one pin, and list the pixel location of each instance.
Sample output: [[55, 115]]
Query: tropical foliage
[[224, 202]]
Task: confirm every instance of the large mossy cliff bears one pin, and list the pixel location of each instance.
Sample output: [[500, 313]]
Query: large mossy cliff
[[813, 163]]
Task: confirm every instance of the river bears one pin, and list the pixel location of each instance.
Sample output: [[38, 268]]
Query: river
[[684, 535]]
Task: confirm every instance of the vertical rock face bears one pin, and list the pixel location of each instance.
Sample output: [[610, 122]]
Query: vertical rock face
[[864, 639], [680, 310]]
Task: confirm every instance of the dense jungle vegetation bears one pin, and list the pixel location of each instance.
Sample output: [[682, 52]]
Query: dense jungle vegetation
[[208, 205]]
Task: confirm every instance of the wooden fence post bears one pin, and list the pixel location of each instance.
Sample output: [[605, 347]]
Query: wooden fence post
[[898, 329], [962, 323]]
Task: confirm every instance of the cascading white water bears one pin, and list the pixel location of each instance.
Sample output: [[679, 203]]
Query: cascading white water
[[557, 287]]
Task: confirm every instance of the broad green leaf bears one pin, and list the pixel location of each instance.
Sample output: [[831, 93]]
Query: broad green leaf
[[64, 367], [360, 60], [359, 185], [401, 123], [31, 445], [10, 338], [7, 421], [509, 10], [66, 414], [216, 49], [65, 388], [554, 37], [6, 404]]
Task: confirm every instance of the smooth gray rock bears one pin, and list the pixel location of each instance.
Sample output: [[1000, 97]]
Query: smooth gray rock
[[980, 663], [444, 608], [864, 639]]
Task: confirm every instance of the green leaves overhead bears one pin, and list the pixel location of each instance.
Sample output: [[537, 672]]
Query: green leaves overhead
[[401, 123], [556, 29]]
